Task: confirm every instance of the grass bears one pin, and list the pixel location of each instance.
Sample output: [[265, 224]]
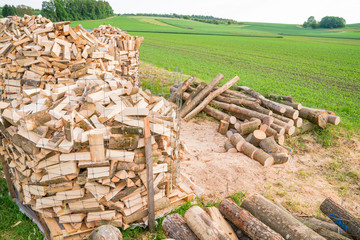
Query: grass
[[317, 67]]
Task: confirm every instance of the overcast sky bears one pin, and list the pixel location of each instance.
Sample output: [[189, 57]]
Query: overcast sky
[[274, 11]]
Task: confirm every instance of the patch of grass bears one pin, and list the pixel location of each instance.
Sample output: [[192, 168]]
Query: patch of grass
[[325, 136], [238, 197], [10, 215]]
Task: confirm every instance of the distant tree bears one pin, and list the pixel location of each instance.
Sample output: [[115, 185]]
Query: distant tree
[[332, 22], [22, 9], [311, 22], [9, 10]]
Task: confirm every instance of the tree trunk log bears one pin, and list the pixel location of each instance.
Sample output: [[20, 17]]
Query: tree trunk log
[[223, 127], [216, 216], [280, 97], [334, 119], [296, 106], [265, 102], [318, 117], [298, 122], [279, 220], [325, 232], [289, 129], [280, 157], [237, 140], [308, 126], [269, 145], [244, 220], [279, 129], [229, 147], [257, 137], [244, 103], [182, 88], [248, 149], [263, 158], [345, 220], [175, 227], [243, 112], [215, 113], [209, 98], [201, 95], [249, 127], [194, 92], [286, 120], [202, 225]]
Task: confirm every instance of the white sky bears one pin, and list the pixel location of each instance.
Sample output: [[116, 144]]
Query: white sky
[[274, 11]]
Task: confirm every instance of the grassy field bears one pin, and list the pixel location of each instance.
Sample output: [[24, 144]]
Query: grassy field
[[317, 67]]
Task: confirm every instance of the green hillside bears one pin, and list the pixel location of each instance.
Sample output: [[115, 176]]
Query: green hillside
[[318, 67]]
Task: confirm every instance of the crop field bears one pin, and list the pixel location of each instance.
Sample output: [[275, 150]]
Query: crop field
[[320, 68]]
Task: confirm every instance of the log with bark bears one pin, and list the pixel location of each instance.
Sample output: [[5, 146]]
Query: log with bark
[[182, 88], [203, 226], [277, 219], [244, 220], [217, 217], [175, 227], [316, 116], [341, 217]]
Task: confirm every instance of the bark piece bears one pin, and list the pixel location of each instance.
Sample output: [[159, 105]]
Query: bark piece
[[175, 227]]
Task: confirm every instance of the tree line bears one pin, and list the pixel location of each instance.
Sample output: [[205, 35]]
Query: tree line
[[199, 18], [64, 10], [325, 22]]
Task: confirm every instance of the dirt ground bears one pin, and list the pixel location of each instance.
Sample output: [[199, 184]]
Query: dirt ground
[[314, 172]]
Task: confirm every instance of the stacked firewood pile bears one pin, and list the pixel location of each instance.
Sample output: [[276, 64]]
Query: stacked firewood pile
[[74, 129], [260, 218], [35, 51], [255, 125]]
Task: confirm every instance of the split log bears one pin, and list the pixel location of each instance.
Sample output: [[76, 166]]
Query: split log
[[341, 217], [198, 98], [323, 231], [202, 225], [280, 97], [257, 137], [175, 227], [244, 220], [209, 98], [278, 219], [237, 140], [229, 147], [182, 88], [216, 216], [265, 102], [223, 127], [333, 119], [316, 116], [249, 127], [96, 142]]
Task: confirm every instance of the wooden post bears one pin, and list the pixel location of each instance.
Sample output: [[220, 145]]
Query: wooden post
[[149, 175], [7, 177]]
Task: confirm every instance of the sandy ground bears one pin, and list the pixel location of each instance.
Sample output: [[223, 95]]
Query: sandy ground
[[300, 185]]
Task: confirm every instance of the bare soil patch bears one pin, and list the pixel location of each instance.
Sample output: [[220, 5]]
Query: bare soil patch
[[300, 185]]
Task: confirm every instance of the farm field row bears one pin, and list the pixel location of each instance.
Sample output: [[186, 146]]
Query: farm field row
[[320, 72]]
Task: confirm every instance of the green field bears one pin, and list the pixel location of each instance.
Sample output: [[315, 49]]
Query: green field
[[320, 68]]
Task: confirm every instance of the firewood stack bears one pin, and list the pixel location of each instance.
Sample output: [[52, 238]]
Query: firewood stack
[[73, 131], [124, 47], [35, 51], [260, 218], [255, 125]]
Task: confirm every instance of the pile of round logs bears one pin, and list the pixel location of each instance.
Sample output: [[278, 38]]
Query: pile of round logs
[[259, 218], [253, 124]]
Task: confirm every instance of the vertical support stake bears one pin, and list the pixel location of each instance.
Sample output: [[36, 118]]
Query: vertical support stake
[[149, 175]]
